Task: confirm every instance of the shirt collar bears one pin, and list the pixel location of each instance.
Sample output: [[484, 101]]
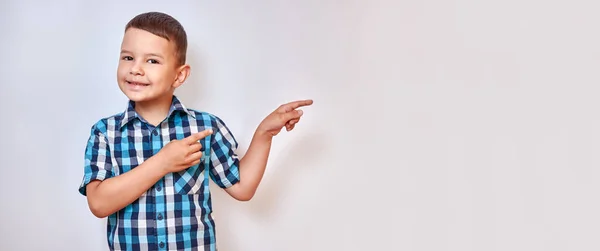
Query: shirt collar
[[130, 114]]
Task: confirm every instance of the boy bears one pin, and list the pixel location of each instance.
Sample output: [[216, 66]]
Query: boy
[[147, 168]]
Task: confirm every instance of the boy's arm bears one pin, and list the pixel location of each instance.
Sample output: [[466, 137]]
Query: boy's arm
[[253, 164], [111, 195]]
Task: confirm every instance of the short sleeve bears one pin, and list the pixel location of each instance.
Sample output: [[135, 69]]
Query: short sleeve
[[98, 164], [224, 162]]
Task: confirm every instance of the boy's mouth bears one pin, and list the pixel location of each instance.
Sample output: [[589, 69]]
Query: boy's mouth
[[136, 83]]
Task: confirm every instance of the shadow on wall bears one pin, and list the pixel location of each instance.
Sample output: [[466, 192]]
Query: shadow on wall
[[298, 156], [302, 153]]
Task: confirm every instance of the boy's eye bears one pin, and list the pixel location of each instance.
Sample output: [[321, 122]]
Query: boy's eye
[[152, 61], [128, 58]]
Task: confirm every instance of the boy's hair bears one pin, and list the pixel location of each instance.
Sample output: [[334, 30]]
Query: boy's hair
[[165, 26]]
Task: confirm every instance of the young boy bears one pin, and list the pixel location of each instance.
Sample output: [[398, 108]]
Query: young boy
[[147, 169]]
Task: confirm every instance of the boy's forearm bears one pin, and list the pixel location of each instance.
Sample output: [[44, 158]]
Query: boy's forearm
[[113, 194], [252, 167]]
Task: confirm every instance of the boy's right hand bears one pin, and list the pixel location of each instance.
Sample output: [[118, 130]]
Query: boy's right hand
[[178, 155]]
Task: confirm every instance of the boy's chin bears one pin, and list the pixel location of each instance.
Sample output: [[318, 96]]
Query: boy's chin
[[137, 97], [141, 97]]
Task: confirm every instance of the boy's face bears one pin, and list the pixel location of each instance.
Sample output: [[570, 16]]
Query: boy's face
[[148, 68]]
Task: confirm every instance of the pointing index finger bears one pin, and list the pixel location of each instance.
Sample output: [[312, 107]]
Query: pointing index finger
[[198, 136], [295, 104]]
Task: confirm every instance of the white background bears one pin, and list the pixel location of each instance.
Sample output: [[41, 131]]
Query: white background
[[437, 125]]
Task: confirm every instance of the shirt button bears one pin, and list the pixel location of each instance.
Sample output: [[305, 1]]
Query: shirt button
[[155, 133], [158, 188], [159, 216], [161, 245]]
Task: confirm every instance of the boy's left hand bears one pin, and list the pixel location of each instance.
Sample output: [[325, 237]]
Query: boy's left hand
[[286, 115]]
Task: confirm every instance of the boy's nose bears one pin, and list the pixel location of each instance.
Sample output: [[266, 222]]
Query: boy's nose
[[136, 70]]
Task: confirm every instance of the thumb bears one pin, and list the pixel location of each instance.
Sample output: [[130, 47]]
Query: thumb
[[293, 114]]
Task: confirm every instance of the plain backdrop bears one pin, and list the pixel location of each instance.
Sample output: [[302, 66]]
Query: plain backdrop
[[437, 125]]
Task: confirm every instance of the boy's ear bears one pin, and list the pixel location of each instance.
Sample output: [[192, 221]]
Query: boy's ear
[[182, 74]]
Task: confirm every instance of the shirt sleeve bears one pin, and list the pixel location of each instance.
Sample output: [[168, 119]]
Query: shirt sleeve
[[224, 162], [98, 164]]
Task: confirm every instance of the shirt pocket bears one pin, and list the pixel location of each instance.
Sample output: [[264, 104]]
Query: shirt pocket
[[193, 180]]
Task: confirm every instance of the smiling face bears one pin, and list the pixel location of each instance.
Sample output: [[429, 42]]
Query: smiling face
[[149, 69]]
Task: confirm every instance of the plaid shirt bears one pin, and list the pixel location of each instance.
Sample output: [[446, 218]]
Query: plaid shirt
[[174, 214]]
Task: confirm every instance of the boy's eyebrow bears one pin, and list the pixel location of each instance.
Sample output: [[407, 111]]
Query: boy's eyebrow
[[149, 54]]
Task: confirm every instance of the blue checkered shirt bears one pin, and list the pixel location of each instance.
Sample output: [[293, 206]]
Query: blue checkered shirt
[[174, 214]]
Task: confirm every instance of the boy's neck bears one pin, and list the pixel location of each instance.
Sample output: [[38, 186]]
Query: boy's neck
[[154, 111]]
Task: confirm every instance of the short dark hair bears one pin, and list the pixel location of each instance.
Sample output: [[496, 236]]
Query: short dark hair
[[165, 26]]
